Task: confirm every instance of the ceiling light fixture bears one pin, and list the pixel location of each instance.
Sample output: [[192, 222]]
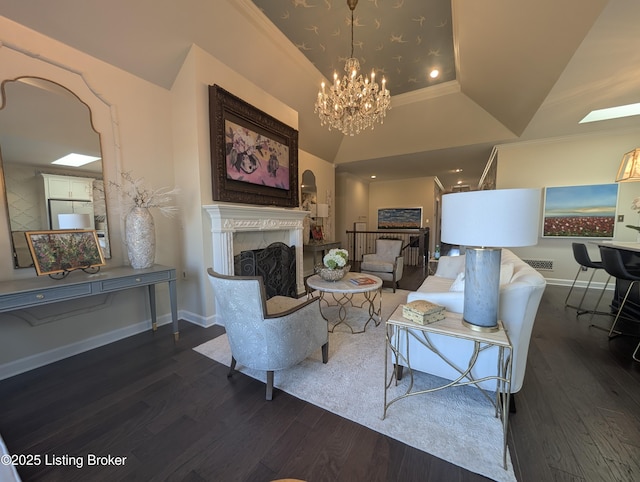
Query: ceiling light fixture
[[629, 169], [353, 103], [75, 160]]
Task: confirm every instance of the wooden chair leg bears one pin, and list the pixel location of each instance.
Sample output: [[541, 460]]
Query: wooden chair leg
[[325, 352], [270, 385], [232, 367]]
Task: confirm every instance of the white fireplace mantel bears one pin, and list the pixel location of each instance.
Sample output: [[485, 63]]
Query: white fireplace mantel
[[227, 219]]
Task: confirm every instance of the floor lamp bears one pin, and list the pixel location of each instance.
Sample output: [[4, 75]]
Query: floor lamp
[[484, 222]]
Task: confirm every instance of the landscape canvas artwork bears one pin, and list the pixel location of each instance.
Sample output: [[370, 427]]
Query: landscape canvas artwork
[[400, 218], [580, 211]]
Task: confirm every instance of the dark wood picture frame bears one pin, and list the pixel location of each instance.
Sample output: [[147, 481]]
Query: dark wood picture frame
[[62, 251], [270, 175]]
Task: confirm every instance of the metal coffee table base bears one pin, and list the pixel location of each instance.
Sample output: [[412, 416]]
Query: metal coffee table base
[[344, 300]]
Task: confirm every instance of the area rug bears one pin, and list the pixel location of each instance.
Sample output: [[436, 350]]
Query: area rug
[[457, 424]]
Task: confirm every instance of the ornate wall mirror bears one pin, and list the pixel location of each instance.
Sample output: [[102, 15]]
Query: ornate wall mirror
[[41, 122], [308, 190]]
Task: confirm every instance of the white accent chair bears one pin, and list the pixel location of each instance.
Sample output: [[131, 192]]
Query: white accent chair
[[386, 263], [267, 335]]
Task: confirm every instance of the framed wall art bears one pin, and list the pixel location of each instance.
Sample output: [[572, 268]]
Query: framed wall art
[[58, 252], [254, 157], [400, 218], [580, 211]]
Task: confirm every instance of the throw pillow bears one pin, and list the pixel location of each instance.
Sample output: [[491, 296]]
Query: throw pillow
[[458, 283]]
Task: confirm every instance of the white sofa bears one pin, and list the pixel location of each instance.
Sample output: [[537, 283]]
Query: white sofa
[[520, 293], [8, 472]]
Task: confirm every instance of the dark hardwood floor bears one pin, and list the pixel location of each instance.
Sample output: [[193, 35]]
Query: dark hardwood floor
[[174, 415]]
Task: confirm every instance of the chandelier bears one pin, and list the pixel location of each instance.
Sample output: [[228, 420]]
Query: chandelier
[[353, 103]]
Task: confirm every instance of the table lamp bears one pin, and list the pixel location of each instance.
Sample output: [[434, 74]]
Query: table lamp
[[484, 222]]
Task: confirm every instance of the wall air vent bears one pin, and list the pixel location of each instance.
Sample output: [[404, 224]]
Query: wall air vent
[[540, 264]]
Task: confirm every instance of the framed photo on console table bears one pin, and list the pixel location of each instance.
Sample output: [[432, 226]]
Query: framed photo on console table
[[254, 157], [62, 251]]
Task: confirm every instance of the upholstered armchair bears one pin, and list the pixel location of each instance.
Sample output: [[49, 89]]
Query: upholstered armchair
[[386, 263], [267, 335]]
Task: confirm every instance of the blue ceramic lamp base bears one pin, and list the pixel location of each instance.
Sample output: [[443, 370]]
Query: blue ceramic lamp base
[[481, 288]]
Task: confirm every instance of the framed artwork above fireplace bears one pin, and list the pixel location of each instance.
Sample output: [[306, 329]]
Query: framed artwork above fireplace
[[254, 157]]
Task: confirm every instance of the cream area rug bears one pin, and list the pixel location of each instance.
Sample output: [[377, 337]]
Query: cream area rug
[[457, 424]]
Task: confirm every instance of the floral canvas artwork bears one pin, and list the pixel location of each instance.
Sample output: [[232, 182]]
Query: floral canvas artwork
[[254, 158], [59, 251], [580, 211]]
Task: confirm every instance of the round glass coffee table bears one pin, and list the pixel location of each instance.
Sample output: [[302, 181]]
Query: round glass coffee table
[[342, 292]]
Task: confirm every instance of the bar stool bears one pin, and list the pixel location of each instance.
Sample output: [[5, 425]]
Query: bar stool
[[581, 256], [614, 265]]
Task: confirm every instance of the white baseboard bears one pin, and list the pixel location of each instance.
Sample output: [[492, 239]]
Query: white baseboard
[[580, 283], [203, 321], [38, 360]]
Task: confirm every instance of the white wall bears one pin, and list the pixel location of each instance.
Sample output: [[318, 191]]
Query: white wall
[[571, 161], [352, 205], [408, 193]]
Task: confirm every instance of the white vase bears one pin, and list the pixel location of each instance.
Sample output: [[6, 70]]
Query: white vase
[[141, 238]]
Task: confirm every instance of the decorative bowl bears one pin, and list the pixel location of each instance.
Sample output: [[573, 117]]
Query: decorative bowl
[[336, 274]]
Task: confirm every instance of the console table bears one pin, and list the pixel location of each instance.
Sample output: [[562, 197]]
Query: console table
[[316, 247], [28, 293]]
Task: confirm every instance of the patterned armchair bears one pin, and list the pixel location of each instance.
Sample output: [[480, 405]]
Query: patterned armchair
[[267, 335], [386, 263]]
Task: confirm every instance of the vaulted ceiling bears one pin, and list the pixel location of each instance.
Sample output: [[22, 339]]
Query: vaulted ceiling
[[524, 70]]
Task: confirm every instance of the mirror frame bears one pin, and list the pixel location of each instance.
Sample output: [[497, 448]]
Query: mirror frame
[[3, 184]]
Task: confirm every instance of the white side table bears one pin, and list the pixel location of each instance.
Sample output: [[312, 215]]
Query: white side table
[[342, 292], [399, 327]]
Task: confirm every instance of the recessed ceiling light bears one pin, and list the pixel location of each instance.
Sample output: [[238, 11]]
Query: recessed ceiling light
[[75, 160], [373, 177], [457, 170], [611, 113], [434, 74]]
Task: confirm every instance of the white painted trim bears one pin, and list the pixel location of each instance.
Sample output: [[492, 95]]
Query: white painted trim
[[38, 360]]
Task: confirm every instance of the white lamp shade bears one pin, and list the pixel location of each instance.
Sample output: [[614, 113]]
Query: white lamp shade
[[74, 221], [495, 218], [323, 211]]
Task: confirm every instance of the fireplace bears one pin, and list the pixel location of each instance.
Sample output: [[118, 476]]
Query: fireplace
[[253, 224], [276, 264]]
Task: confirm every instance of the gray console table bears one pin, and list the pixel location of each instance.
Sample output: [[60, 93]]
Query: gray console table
[[316, 247], [27, 293]]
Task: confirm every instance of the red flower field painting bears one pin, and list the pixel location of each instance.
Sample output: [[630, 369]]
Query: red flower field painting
[[580, 211]]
